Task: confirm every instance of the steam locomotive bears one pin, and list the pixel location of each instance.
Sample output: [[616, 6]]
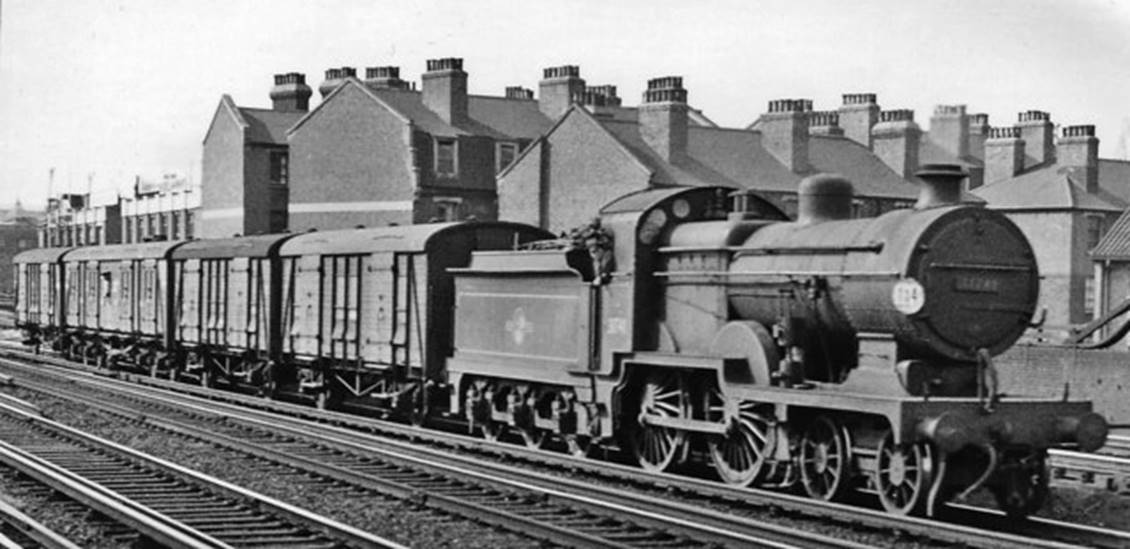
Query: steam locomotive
[[828, 353]]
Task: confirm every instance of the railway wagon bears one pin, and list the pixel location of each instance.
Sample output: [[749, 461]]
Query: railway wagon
[[366, 313], [117, 302], [226, 305], [39, 287]]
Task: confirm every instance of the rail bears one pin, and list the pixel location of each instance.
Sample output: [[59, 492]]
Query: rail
[[31, 529]]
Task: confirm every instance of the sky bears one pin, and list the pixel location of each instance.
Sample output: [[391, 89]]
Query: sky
[[101, 91]]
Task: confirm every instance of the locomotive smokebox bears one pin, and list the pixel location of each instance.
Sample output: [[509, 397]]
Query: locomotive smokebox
[[824, 197], [941, 185]]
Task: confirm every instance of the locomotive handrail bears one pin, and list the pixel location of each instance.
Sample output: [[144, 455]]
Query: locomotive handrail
[[876, 247]]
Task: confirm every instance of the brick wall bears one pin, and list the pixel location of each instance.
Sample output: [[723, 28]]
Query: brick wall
[[1097, 375], [519, 190], [221, 175], [351, 152]]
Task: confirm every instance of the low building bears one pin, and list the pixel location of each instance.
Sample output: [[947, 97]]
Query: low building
[[160, 210], [73, 220]]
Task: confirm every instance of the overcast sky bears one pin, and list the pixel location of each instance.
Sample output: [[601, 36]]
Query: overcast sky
[[117, 88]]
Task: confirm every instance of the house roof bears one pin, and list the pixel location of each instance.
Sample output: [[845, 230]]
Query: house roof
[[1047, 188], [1114, 177], [268, 126], [736, 158], [1116, 243]]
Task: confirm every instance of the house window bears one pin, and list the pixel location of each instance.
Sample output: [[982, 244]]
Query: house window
[[446, 157], [1094, 230], [447, 208], [505, 155], [279, 167], [189, 224], [175, 228]]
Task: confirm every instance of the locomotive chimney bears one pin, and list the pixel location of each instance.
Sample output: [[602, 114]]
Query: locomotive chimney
[[941, 185], [824, 197]]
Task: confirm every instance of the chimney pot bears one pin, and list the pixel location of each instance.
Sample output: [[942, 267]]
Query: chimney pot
[[290, 94], [518, 92], [663, 116], [1078, 153], [334, 78], [559, 88], [445, 89]]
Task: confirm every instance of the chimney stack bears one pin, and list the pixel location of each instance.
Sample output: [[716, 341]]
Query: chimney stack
[[445, 89], [663, 117], [784, 132], [824, 123], [387, 77], [978, 133], [949, 129], [518, 92], [1004, 154], [291, 94], [608, 92], [334, 78], [1038, 133], [858, 114], [895, 141], [560, 87], [1078, 151]]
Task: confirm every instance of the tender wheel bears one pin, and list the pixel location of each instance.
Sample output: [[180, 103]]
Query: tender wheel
[[533, 437], [664, 395], [740, 455], [825, 459], [903, 476], [1023, 487]]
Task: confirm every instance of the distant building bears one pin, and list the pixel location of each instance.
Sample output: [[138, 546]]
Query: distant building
[[157, 209], [1064, 198], [378, 152], [597, 152], [246, 162], [160, 210], [72, 220], [18, 232]]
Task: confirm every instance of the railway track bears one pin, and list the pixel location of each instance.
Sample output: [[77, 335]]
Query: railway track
[[1109, 470], [502, 498], [20, 531], [349, 445], [162, 502]]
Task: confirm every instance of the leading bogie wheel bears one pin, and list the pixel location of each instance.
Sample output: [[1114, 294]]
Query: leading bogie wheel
[[663, 394], [739, 456], [903, 476], [1023, 486], [825, 459]]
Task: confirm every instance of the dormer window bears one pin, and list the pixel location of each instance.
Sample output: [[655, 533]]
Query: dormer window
[[446, 157], [505, 155]]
